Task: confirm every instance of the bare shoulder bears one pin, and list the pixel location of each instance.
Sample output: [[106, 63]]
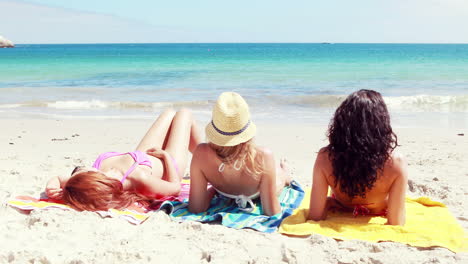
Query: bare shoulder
[[323, 153], [398, 155], [397, 164], [202, 150], [263, 151], [204, 157], [264, 155], [323, 156], [202, 147], [397, 160]]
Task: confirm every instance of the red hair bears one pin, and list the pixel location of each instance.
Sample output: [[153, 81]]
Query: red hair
[[94, 191]]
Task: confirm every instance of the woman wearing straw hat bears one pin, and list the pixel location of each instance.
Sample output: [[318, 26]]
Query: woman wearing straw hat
[[232, 163]]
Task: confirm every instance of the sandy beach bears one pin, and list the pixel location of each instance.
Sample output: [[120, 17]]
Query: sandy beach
[[88, 77], [36, 149]]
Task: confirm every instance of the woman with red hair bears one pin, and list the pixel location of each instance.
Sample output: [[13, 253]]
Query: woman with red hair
[[117, 180]]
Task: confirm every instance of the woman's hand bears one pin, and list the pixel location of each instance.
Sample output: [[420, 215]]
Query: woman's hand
[[54, 193], [54, 188], [170, 178], [157, 153]]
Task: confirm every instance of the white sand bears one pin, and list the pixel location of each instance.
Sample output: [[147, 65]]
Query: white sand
[[437, 162]]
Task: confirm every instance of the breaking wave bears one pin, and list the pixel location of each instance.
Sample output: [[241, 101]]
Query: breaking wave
[[417, 103]]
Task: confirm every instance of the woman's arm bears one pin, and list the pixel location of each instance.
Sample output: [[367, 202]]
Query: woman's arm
[[53, 188], [153, 186], [171, 173], [396, 213], [269, 198], [200, 197], [318, 197], [170, 186]]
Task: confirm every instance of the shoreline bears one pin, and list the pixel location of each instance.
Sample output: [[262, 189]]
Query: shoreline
[[282, 115]]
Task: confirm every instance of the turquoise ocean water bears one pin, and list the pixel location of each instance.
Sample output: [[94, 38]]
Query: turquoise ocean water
[[423, 84]]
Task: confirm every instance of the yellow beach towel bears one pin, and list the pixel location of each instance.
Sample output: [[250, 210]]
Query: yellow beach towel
[[428, 224]]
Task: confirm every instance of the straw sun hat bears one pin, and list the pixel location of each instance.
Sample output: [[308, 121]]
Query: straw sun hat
[[230, 124]]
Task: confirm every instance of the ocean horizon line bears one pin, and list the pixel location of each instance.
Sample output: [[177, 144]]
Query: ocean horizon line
[[320, 43]]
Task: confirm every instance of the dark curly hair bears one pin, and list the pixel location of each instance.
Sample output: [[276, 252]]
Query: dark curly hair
[[361, 141]]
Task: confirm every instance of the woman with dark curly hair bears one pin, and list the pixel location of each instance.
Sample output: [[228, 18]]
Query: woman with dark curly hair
[[364, 172]]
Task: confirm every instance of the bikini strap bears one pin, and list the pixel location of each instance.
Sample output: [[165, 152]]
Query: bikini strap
[[361, 209], [130, 170], [242, 200], [103, 156], [235, 166]]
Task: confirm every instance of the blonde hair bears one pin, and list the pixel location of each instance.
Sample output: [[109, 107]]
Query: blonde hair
[[245, 153], [94, 191]]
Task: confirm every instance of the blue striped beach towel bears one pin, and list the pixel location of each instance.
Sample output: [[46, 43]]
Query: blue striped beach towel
[[225, 210]]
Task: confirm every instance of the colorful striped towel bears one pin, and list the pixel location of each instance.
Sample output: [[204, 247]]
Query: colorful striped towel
[[428, 224], [135, 214], [225, 210]]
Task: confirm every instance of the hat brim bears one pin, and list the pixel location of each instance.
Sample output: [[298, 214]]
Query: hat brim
[[227, 141]]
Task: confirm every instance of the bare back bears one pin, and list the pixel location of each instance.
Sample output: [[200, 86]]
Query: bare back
[[387, 193], [376, 197], [205, 169], [230, 180]]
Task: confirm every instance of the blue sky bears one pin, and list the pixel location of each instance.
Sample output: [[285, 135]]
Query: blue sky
[[125, 21]]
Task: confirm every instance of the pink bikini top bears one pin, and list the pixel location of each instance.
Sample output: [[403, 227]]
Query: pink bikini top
[[139, 157]]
